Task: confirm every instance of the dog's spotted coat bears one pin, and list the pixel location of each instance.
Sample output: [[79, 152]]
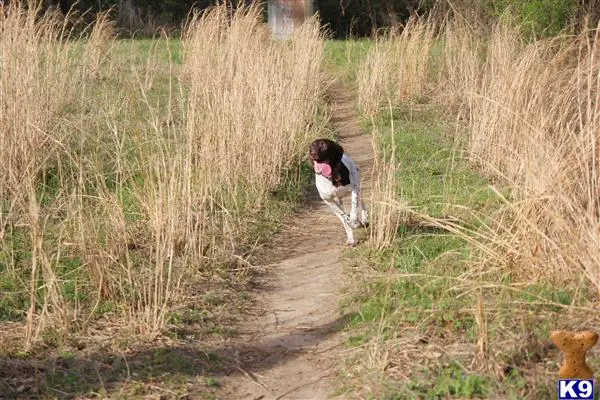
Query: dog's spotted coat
[[336, 177]]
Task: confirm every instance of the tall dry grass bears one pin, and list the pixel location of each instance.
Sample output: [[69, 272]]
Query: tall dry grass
[[398, 67], [388, 210], [36, 83], [124, 177], [530, 112], [249, 122]]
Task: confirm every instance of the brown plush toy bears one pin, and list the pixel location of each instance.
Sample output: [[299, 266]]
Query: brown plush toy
[[574, 346]]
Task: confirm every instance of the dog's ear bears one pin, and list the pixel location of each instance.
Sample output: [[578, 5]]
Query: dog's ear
[[338, 152]]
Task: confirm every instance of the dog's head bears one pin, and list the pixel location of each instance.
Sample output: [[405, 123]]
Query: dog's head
[[326, 151], [325, 155]]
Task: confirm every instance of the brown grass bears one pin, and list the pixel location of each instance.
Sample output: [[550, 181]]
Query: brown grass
[[397, 68], [387, 211], [531, 113], [122, 178], [527, 115]]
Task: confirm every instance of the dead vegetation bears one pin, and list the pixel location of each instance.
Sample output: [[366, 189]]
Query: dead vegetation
[[128, 171], [525, 115]]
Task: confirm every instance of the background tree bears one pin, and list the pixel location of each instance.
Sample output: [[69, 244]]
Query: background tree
[[358, 18]]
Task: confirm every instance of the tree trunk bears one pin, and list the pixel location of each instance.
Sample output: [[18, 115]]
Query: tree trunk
[[63, 5], [126, 13]]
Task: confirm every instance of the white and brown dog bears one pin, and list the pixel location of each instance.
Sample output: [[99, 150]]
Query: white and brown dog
[[336, 176]]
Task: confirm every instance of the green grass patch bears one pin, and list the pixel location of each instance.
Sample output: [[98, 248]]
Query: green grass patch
[[422, 286], [218, 294], [116, 97], [434, 175], [342, 58], [452, 381]]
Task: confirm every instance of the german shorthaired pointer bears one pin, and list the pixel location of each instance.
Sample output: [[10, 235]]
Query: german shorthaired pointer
[[336, 176]]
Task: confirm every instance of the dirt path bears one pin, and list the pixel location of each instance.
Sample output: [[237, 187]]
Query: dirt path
[[290, 351]]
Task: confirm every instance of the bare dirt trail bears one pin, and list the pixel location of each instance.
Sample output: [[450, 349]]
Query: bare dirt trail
[[289, 352]]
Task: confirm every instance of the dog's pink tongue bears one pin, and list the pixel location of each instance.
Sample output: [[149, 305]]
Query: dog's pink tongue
[[323, 169]]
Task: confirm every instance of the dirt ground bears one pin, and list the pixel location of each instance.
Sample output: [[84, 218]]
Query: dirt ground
[[292, 349]]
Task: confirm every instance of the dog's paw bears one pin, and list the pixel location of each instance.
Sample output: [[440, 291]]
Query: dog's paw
[[365, 218], [355, 224], [351, 243], [359, 224]]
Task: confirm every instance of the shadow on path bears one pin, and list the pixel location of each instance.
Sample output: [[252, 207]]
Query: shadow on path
[[70, 376]]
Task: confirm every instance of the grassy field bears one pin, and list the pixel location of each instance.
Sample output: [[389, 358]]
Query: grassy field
[[454, 297], [132, 203], [428, 325], [139, 186], [343, 57]]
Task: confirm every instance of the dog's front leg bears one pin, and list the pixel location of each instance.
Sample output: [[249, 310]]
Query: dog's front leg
[[345, 221], [340, 202]]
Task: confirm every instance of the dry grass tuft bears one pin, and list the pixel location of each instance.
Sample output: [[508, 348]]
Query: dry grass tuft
[[531, 113], [528, 116], [398, 68], [121, 178], [387, 211]]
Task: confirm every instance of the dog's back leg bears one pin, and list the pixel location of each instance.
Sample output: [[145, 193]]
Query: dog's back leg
[[358, 205], [364, 213], [356, 202]]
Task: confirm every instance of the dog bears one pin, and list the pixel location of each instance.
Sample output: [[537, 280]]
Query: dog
[[337, 176]]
